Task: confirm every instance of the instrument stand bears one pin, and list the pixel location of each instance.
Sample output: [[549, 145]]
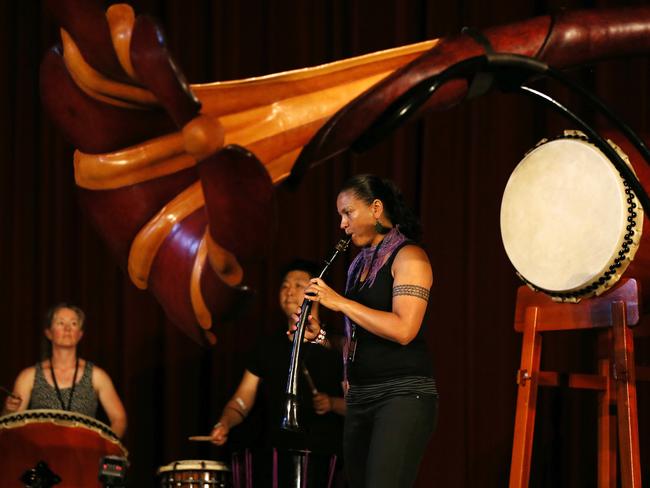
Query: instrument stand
[[613, 313], [40, 476]]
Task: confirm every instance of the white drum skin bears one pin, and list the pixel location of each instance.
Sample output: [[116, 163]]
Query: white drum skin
[[569, 224]]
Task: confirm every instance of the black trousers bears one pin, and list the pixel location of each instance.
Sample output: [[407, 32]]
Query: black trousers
[[383, 441]]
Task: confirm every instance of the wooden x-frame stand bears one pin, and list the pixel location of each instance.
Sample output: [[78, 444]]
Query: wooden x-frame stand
[[614, 313]]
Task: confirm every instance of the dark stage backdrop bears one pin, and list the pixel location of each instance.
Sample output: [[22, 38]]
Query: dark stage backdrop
[[452, 167]]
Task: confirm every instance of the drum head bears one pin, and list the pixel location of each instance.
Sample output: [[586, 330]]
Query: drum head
[[564, 218]]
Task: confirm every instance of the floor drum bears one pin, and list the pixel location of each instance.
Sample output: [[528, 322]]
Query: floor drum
[[70, 444]]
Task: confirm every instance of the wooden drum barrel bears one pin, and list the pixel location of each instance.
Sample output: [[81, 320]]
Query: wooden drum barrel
[[69, 443]]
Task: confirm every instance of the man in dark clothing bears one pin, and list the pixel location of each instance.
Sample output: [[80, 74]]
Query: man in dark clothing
[[321, 396]]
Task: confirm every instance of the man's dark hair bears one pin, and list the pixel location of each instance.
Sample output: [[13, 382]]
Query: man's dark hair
[[308, 267]]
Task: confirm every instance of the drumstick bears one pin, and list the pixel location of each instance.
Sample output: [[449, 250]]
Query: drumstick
[[9, 392], [200, 438], [310, 381]]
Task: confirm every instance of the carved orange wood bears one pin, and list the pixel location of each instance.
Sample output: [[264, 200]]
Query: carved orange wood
[[140, 131]]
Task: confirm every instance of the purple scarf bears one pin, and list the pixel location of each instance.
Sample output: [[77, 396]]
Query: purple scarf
[[371, 258]]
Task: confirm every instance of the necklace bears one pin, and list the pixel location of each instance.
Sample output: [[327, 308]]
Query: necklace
[[56, 385]]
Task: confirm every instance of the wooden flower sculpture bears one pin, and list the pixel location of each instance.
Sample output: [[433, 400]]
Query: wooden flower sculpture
[[179, 179]]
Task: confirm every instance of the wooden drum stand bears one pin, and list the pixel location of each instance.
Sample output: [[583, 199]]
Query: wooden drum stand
[[614, 313]]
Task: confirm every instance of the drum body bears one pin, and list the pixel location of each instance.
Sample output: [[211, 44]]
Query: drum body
[[195, 474], [69, 443], [569, 223], [285, 468]]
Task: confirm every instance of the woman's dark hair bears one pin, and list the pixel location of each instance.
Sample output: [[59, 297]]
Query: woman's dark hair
[[308, 267], [370, 187]]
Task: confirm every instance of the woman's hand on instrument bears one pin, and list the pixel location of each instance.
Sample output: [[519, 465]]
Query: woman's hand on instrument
[[322, 403], [319, 291], [219, 434], [12, 403], [312, 329]]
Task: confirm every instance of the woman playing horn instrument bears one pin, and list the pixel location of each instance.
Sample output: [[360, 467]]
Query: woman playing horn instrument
[[391, 400], [64, 381]]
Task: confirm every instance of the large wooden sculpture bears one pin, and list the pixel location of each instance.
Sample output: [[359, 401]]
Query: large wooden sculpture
[[178, 178]]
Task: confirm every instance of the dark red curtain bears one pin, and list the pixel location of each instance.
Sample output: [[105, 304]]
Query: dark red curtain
[[452, 167]]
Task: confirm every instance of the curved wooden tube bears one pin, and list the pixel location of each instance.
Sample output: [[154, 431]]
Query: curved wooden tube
[[209, 155], [569, 39]]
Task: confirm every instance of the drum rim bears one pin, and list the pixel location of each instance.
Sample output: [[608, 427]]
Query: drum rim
[[196, 463], [616, 266], [63, 418]]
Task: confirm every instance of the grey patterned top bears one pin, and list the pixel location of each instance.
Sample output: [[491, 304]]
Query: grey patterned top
[[84, 399]]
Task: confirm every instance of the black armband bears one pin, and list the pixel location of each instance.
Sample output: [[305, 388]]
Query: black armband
[[411, 290]]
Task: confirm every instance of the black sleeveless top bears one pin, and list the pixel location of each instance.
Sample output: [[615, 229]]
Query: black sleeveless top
[[377, 359]]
